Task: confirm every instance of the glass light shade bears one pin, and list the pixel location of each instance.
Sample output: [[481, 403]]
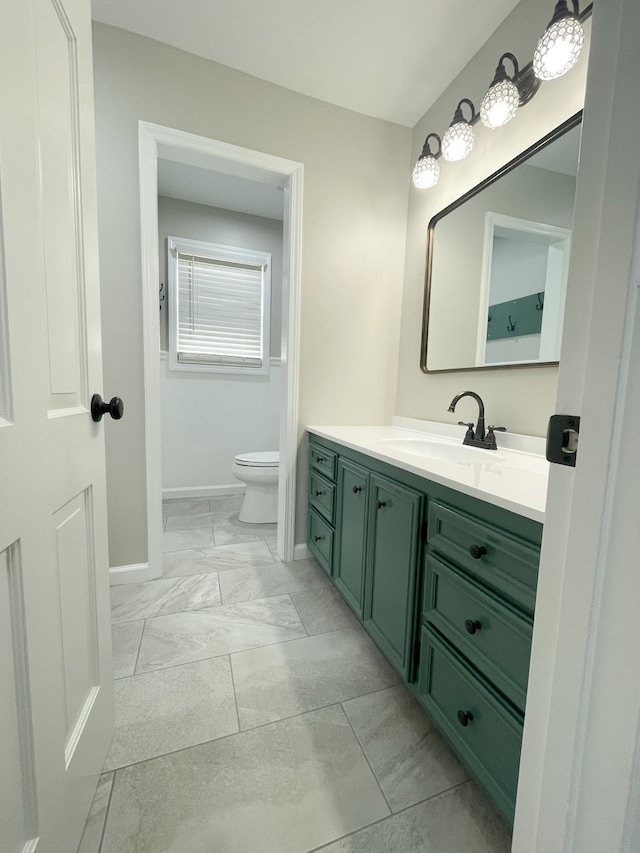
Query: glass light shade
[[500, 104], [558, 49], [426, 172], [458, 141]]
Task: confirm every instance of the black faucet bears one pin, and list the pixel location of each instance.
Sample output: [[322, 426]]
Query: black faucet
[[477, 437]]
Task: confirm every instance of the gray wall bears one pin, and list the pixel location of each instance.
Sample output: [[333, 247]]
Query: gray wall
[[356, 187], [520, 398], [177, 218]]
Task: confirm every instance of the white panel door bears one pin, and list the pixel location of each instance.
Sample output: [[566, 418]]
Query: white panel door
[[55, 650]]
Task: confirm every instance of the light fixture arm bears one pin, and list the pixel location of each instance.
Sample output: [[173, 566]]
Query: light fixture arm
[[458, 115], [426, 148], [562, 11]]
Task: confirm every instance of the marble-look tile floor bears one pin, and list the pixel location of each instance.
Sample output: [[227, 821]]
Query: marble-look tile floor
[[254, 713]]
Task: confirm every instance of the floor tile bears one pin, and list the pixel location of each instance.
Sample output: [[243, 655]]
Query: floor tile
[[410, 758], [283, 680], [185, 506], [284, 788], [195, 561], [199, 634], [189, 522], [272, 578], [162, 596], [226, 505], [160, 712], [322, 609], [228, 530], [459, 821], [92, 835], [126, 643], [180, 540]]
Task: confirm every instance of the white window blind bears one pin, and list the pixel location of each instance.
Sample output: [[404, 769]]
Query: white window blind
[[221, 305]]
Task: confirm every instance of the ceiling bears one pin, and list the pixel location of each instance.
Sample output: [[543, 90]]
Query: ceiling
[[390, 59], [215, 188]]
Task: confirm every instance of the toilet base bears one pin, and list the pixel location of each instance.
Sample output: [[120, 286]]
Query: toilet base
[[260, 504]]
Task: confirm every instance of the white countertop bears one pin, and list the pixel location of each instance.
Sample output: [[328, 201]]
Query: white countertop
[[514, 477]]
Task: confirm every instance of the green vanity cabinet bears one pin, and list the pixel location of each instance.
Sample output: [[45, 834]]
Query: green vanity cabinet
[[445, 584], [351, 533], [393, 547]]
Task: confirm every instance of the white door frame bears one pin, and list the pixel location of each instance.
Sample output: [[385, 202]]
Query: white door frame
[[155, 137], [579, 780]]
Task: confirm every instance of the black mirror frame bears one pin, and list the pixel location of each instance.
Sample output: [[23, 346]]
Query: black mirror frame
[[550, 137]]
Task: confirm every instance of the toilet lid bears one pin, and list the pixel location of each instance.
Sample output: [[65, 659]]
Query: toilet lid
[[263, 459]]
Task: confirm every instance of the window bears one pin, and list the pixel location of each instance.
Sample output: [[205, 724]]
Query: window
[[219, 307]]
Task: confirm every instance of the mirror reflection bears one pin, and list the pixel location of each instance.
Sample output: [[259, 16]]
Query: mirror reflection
[[497, 263]]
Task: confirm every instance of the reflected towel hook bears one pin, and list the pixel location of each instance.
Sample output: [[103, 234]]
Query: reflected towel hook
[[540, 302], [511, 327]]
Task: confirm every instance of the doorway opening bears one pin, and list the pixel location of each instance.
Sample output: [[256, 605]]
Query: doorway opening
[[159, 144]]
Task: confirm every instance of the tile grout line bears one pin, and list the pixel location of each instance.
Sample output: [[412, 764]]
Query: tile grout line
[[235, 695], [106, 814], [386, 818], [251, 729], [253, 648], [135, 666], [366, 757]]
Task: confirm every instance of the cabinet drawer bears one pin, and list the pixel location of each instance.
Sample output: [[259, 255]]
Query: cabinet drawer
[[323, 460], [485, 732], [322, 495], [501, 561], [320, 540], [491, 633]]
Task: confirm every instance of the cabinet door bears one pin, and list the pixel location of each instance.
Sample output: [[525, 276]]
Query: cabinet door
[[393, 546], [351, 530]]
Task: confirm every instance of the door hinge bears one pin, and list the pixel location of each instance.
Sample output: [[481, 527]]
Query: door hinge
[[562, 439]]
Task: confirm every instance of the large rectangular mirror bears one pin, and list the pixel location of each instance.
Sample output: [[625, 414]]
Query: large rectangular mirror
[[497, 262]]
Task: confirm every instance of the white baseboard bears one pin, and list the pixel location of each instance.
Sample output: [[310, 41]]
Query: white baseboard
[[301, 552], [130, 574], [203, 491]]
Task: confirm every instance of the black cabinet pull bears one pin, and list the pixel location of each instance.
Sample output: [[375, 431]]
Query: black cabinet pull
[[380, 504], [319, 458], [472, 625], [477, 551], [319, 493], [317, 538], [465, 717], [356, 489]]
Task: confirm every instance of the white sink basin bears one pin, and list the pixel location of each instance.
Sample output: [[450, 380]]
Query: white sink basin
[[460, 453]]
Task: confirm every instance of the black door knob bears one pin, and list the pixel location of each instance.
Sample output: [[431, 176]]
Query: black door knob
[[115, 408], [464, 717], [477, 551], [356, 489], [380, 504], [472, 625]]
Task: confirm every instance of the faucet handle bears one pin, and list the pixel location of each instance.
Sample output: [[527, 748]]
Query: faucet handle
[[491, 439], [469, 433]]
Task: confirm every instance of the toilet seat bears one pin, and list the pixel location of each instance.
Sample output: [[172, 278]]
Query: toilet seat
[[263, 459]]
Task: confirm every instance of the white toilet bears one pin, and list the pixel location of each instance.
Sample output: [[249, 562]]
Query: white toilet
[[260, 472]]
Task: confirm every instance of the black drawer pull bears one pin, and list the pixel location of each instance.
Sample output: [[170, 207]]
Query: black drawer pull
[[319, 458], [465, 717], [380, 504], [317, 538], [477, 551], [319, 493], [356, 489], [472, 625]]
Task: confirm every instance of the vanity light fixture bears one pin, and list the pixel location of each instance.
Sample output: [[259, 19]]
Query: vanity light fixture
[[560, 46], [557, 52], [427, 170], [501, 102], [459, 138]]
